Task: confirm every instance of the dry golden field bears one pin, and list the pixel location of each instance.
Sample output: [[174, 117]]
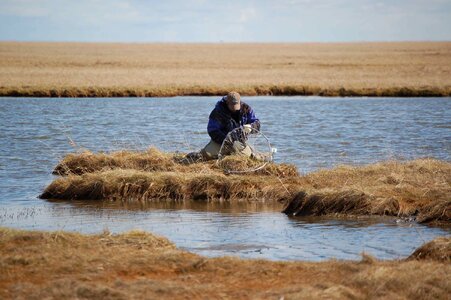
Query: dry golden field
[[139, 265], [344, 69]]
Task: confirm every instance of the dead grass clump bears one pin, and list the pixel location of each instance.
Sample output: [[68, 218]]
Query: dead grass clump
[[438, 249], [243, 164], [207, 187], [88, 162], [131, 185], [153, 160], [420, 188], [340, 202], [239, 163], [435, 211], [75, 187], [137, 186], [280, 170]]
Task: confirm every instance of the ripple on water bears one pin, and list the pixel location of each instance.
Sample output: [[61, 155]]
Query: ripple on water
[[310, 132]]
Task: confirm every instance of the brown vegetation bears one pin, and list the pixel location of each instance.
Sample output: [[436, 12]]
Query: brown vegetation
[[37, 265], [438, 249], [341, 202], [403, 69], [420, 188], [153, 160], [137, 186]]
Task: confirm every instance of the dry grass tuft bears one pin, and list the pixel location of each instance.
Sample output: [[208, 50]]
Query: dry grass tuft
[[239, 163], [243, 164], [153, 160], [88, 162], [46, 265], [436, 210], [420, 188], [398, 69], [340, 202], [438, 249], [131, 185]]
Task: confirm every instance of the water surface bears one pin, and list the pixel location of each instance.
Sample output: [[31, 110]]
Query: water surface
[[310, 132]]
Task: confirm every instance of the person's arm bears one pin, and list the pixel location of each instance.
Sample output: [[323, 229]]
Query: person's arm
[[215, 131], [253, 120]]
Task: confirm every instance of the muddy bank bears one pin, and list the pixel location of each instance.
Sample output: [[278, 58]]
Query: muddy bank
[[419, 189], [136, 264]]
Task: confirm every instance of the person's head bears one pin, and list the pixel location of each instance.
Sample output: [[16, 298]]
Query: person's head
[[233, 101]]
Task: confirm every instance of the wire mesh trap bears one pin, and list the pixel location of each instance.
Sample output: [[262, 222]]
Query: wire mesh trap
[[245, 150]]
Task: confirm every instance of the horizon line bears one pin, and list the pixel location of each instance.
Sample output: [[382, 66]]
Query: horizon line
[[226, 42]]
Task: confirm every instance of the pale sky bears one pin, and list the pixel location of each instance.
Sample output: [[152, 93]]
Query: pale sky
[[226, 21]]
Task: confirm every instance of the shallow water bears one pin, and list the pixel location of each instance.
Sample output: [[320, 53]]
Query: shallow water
[[310, 132]]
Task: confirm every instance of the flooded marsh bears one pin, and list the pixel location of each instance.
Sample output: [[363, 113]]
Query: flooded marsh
[[314, 134]]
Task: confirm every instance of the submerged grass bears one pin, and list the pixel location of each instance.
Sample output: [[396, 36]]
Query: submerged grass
[[420, 188], [136, 264]]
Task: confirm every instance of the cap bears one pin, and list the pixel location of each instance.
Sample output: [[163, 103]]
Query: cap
[[234, 99]]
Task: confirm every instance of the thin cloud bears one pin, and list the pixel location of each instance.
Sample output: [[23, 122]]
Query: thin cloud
[[235, 21]]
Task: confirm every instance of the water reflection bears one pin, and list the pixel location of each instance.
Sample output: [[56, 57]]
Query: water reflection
[[246, 230], [200, 206]]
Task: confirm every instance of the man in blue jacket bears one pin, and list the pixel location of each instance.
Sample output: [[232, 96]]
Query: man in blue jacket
[[229, 113]]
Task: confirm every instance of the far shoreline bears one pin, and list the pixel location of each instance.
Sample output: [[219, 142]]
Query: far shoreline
[[392, 69], [125, 92]]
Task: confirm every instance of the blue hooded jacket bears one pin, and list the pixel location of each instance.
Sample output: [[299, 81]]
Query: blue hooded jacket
[[221, 121]]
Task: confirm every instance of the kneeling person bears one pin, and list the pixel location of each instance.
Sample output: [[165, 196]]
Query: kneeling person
[[229, 113]]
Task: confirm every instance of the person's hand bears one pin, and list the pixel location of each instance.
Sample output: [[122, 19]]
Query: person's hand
[[247, 128]]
